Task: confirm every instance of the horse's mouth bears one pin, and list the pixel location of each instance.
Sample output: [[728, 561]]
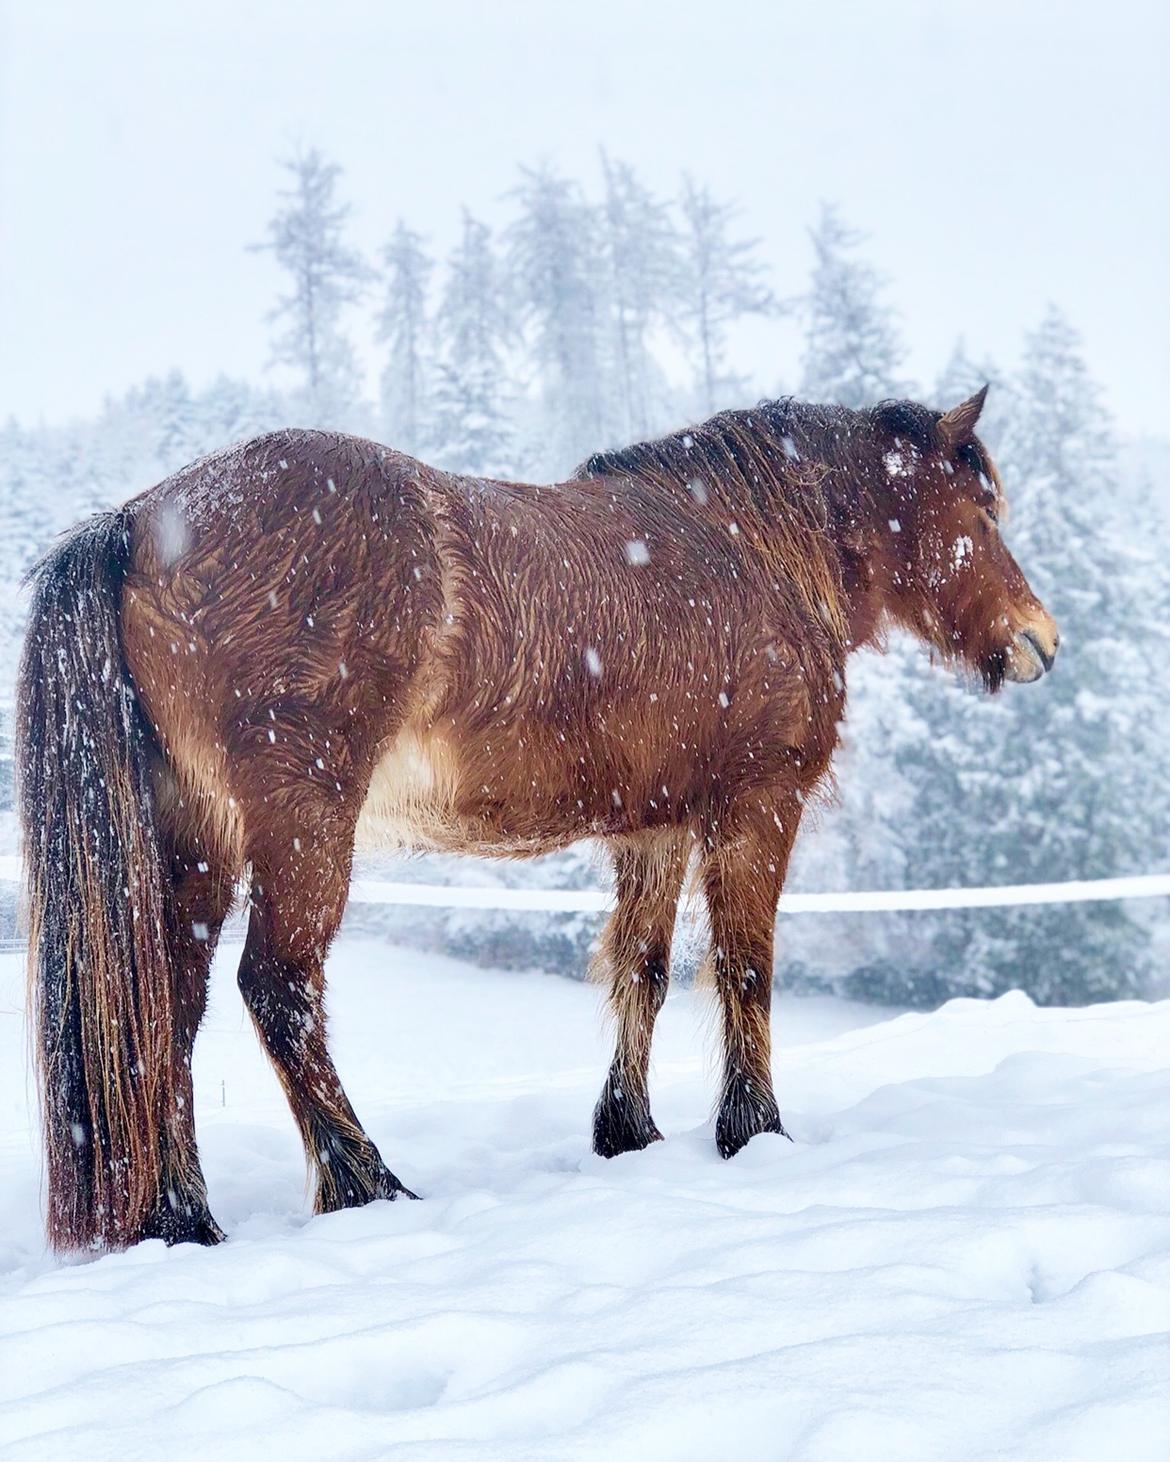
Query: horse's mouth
[[1028, 658]]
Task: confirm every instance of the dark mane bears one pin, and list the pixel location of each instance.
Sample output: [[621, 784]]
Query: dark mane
[[775, 436], [773, 466], [729, 438]]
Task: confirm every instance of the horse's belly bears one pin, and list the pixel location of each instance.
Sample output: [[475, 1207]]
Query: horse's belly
[[411, 798], [418, 801]]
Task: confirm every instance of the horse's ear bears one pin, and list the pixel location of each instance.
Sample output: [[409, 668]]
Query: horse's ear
[[957, 426]]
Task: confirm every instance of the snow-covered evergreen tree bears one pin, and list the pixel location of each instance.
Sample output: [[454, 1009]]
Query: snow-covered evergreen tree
[[643, 276], [230, 410], [307, 238], [722, 280], [27, 500], [470, 428], [1062, 779], [938, 786], [554, 260], [164, 410], [852, 354], [405, 326], [961, 377]]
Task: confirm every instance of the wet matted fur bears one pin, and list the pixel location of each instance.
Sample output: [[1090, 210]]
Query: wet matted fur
[[309, 639]]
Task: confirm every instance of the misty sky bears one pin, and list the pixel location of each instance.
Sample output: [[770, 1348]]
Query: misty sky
[[1000, 155]]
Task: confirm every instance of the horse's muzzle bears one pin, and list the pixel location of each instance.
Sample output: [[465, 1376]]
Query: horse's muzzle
[[1032, 652]]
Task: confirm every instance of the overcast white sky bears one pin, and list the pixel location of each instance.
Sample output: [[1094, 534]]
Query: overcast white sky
[[1000, 155]]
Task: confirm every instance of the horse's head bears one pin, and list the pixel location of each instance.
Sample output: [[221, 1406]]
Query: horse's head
[[949, 576]]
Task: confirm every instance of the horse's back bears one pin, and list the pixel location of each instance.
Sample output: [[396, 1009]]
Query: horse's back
[[487, 666]]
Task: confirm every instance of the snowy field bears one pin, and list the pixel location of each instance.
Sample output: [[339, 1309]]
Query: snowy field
[[964, 1254]]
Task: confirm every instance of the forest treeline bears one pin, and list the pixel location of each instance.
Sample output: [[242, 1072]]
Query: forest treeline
[[598, 315]]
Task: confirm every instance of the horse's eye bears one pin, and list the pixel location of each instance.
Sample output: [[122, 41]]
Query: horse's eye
[[992, 511]]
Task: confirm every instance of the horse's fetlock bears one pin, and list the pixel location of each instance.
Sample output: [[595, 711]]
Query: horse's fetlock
[[622, 1121], [176, 1220], [747, 1109], [351, 1173]]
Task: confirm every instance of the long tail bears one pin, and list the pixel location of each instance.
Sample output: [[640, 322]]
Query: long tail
[[99, 972]]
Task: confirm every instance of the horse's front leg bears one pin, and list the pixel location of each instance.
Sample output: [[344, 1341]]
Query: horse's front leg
[[635, 955], [743, 871]]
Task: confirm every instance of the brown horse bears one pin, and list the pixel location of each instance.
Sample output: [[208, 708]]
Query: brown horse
[[310, 637]]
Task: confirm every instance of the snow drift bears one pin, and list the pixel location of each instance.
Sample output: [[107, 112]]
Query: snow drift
[[965, 1253]]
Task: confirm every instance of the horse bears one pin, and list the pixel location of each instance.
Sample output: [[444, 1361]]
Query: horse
[[309, 640]]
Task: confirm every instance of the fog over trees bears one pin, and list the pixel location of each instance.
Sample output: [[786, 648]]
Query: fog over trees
[[602, 313]]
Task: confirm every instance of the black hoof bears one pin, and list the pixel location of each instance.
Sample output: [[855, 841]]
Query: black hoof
[[177, 1221], [355, 1187], [390, 1188], [622, 1125], [746, 1111], [350, 1171]]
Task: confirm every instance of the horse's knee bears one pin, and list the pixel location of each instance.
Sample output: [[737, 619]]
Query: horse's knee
[[655, 979]]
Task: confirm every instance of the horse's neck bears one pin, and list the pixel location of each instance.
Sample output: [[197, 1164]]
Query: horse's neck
[[864, 572]]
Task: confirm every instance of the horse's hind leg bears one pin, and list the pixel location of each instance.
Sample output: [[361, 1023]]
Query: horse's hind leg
[[201, 888], [299, 890], [636, 953]]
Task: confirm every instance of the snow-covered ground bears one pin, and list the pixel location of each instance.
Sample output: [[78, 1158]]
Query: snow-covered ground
[[964, 1254]]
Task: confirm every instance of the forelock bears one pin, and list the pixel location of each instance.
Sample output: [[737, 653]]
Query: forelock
[[915, 424]]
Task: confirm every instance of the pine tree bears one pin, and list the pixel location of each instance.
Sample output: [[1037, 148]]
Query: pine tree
[[964, 375], [230, 410], [307, 237], [405, 327], [1059, 780], [165, 412], [26, 501], [643, 276], [852, 351], [471, 431], [553, 259], [722, 282], [26, 494]]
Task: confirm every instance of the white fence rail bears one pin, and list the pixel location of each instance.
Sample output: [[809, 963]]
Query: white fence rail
[[876, 901]]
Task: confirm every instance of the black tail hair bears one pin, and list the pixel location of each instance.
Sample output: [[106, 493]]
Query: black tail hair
[[99, 975]]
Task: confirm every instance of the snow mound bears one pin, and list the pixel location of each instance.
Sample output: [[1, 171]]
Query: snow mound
[[965, 1253]]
